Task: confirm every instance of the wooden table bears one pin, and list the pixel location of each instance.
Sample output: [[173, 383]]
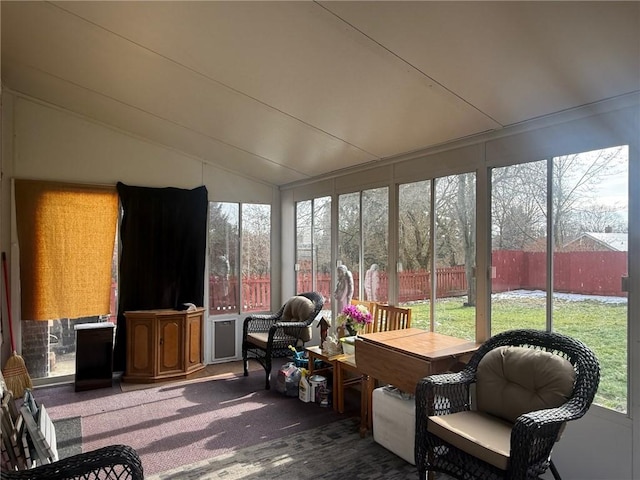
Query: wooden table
[[403, 357]]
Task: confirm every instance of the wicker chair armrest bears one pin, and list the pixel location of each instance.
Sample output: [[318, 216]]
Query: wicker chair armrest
[[533, 436], [277, 325], [278, 332], [464, 376], [114, 461], [258, 323], [444, 393], [550, 416]]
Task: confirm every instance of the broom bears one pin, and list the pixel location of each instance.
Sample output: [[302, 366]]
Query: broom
[[14, 372]]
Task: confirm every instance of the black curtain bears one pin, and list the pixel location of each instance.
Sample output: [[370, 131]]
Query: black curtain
[[162, 252]]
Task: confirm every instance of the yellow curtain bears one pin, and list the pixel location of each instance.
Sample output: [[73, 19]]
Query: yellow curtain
[[66, 235]]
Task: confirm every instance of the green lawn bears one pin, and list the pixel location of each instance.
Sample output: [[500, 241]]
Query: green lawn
[[601, 326]]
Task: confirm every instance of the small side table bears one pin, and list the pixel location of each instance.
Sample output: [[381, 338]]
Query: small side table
[[94, 355], [316, 353]]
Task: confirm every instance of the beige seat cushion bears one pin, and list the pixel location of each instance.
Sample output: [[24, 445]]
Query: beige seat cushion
[[259, 339], [516, 380], [479, 434]]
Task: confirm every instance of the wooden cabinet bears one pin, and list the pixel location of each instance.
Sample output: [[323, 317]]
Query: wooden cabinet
[[163, 344]]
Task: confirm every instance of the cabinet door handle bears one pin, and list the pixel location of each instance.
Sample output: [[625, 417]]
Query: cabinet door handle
[[161, 340]]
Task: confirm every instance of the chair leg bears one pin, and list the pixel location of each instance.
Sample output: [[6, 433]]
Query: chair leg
[[267, 369], [554, 471], [245, 362]]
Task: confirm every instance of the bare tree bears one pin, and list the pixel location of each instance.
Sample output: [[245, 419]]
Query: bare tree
[[375, 227], [349, 229], [322, 235], [256, 239], [518, 205], [601, 218], [466, 208], [414, 223], [575, 177], [223, 234]]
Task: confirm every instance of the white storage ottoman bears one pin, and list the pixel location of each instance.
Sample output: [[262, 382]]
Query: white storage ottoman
[[394, 423]]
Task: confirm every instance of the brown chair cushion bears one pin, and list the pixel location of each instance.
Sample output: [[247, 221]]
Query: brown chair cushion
[[298, 309], [484, 436], [516, 380]]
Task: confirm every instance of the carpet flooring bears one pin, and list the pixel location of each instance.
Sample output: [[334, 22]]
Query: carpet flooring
[[224, 427], [332, 451], [185, 422]]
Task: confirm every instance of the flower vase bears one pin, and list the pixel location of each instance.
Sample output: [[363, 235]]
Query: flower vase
[[348, 347], [342, 332]]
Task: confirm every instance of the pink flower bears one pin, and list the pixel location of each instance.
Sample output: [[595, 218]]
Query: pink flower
[[354, 317]]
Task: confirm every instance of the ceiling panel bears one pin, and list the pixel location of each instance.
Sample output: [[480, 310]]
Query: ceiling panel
[[121, 70], [284, 91], [144, 125], [300, 59], [512, 60]]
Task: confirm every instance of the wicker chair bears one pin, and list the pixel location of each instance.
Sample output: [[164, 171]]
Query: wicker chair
[[115, 462], [518, 439], [265, 337]]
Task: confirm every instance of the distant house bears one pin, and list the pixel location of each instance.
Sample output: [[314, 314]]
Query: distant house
[[586, 242], [598, 242]]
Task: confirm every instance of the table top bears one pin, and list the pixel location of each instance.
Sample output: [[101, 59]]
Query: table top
[[317, 351], [420, 343]]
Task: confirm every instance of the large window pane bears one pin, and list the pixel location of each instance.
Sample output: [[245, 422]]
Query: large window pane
[[375, 243], [313, 248], [519, 246], [587, 195], [414, 251], [304, 250], [349, 242], [590, 237], [256, 257], [224, 220], [322, 246], [455, 255]]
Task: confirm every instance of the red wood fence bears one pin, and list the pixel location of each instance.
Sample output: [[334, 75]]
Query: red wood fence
[[589, 273]]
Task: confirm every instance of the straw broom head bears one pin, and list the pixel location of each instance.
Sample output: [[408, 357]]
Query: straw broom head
[[16, 376]]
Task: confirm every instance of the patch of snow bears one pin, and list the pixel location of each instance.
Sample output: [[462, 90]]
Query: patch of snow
[[569, 297]]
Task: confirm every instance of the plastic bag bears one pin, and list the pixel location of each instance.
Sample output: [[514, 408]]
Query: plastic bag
[[288, 380]]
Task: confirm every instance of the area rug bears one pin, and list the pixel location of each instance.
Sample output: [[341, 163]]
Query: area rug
[[331, 451]]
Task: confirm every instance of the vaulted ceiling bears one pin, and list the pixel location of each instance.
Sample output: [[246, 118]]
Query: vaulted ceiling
[[286, 91]]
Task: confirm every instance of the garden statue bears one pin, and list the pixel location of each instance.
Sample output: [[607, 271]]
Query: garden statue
[[344, 289], [371, 282]]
